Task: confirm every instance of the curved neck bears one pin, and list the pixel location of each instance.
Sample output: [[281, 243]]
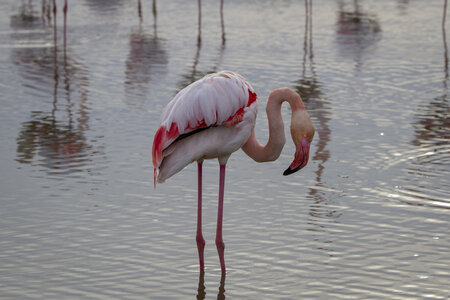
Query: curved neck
[[272, 150]]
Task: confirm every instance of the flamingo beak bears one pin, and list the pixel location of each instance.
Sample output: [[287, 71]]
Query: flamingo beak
[[301, 157]]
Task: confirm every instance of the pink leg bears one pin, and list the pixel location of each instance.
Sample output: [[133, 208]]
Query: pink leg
[[199, 238], [219, 241]]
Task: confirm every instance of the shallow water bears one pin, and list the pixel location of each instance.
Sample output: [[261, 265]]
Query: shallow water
[[368, 218]]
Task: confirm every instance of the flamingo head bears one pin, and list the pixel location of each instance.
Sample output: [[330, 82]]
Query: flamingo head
[[302, 132]]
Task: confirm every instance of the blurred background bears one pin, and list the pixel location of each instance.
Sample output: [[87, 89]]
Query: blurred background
[[368, 218]]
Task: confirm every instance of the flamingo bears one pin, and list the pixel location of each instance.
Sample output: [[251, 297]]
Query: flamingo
[[214, 117]]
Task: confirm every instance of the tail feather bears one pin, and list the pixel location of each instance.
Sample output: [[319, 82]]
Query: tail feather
[[163, 138]]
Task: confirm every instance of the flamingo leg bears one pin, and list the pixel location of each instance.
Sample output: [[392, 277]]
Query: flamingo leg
[[199, 238], [199, 36], [65, 23], [54, 22], [219, 240], [221, 22]]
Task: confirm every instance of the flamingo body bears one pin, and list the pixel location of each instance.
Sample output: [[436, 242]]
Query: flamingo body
[[214, 117], [210, 118]]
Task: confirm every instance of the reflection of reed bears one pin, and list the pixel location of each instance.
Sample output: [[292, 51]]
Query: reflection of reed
[[201, 294]]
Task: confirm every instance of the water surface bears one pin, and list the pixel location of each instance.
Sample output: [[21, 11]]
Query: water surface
[[368, 218]]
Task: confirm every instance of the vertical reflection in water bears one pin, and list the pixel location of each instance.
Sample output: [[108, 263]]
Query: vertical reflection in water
[[444, 40], [318, 107], [46, 11], [432, 137], [147, 58], [139, 8], [222, 23], [432, 126], [105, 7], [357, 31], [154, 12], [199, 35], [221, 294], [64, 9], [201, 294], [194, 74], [155, 15], [57, 136], [402, 4]]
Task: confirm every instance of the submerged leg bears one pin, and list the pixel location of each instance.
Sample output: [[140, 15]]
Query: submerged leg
[[199, 238], [199, 36], [54, 22], [65, 24], [219, 241]]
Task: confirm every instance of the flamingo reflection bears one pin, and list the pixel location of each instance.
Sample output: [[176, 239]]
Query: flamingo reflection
[[65, 7], [309, 87], [57, 135], [194, 74], [140, 15], [432, 125], [201, 294], [222, 23], [147, 60], [356, 31]]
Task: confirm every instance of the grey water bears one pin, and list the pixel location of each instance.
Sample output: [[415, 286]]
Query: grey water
[[368, 218]]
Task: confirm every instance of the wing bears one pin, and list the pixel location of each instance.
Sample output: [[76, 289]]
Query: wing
[[216, 99]]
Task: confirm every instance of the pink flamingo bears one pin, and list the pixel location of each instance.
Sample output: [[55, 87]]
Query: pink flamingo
[[214, 117]]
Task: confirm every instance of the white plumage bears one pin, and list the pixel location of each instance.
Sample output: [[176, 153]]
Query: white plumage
[[224, 103], [214, 98]]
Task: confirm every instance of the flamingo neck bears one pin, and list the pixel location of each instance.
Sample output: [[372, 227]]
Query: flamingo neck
[[272, 150]]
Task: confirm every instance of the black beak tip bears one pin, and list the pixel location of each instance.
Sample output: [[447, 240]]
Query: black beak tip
[[290, 171]]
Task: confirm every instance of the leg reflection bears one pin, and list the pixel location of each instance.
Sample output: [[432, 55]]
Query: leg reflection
[[201, 294], [201, 286], [221, 294]]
